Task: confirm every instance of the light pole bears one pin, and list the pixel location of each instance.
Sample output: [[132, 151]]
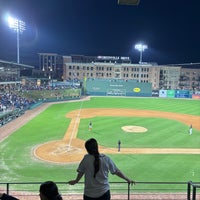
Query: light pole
[[141, 47], [51, 77], [18, 26]]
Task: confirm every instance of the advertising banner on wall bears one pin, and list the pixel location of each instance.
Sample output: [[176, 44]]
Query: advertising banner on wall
[[113, 87], [162, 93], [182, 94], [155, 93], [170, 93], [196, 96]]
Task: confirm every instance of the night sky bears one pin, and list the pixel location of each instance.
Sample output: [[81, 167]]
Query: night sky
[[171, 29]]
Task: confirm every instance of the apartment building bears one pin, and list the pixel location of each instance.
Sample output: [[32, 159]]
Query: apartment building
[[51, 65], [169, 77], [190, 78], [78, 67], [121, 68]]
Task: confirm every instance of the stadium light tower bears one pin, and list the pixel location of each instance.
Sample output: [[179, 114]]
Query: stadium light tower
[[18, 26], [141, 47]]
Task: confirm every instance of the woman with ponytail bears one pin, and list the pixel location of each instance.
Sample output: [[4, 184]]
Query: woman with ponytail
[[95, 167]]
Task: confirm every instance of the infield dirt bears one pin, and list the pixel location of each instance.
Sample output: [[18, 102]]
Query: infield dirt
[[71, 149]]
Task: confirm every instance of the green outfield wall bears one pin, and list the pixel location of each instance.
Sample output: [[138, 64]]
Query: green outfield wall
[[113, 87]]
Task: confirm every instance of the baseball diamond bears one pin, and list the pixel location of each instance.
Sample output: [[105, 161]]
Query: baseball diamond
[[51, 138], [71, 149]]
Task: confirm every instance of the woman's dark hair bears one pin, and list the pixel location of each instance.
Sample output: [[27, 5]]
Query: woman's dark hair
[[50, 190], [91, 146]]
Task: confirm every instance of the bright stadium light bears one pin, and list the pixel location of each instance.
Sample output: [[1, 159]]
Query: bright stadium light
[[18, 26], [141, 47]]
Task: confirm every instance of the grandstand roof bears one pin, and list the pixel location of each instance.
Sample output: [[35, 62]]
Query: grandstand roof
[[129, 2], [4, 63]]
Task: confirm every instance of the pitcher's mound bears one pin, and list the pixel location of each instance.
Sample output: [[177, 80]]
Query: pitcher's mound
[[134, 129]]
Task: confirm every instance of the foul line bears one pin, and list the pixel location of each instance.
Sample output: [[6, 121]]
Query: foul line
[[77, 119]]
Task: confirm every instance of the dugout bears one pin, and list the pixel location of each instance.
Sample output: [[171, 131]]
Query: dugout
[[7, 116], [117, 87]]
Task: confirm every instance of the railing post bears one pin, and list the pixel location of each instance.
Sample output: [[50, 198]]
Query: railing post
[[128, 191], [189, 190], [194, 193], [7, 188]]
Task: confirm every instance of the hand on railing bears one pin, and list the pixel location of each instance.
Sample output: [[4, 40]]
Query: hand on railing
[[72, 182], [131, 182]]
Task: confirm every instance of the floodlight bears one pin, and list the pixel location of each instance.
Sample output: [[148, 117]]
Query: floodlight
[[141, 47], [18, 26]]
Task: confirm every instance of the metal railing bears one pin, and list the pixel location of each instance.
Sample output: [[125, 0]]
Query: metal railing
[[119, 190], [192, 189]]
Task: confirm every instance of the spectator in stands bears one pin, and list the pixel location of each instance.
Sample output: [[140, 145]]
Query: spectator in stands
[[49, 191], [4, 196], [95, 167]]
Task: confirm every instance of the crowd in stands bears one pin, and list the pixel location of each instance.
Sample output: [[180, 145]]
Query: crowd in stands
[[12, 104], [10, 101], [16, 98]]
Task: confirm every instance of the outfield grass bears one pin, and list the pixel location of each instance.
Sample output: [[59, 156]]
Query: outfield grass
[[18, 163]]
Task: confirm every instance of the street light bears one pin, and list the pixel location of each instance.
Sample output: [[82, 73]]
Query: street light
[[51, 77], [141, 47], [18, 26]]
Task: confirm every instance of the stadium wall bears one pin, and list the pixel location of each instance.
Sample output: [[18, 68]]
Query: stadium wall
[[113, 87], [119, 87]]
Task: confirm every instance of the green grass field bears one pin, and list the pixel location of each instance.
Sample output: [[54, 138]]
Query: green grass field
[[19, 165]]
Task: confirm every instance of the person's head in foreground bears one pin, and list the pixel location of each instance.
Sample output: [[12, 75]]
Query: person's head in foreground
[[49, 191], [91, 146]]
